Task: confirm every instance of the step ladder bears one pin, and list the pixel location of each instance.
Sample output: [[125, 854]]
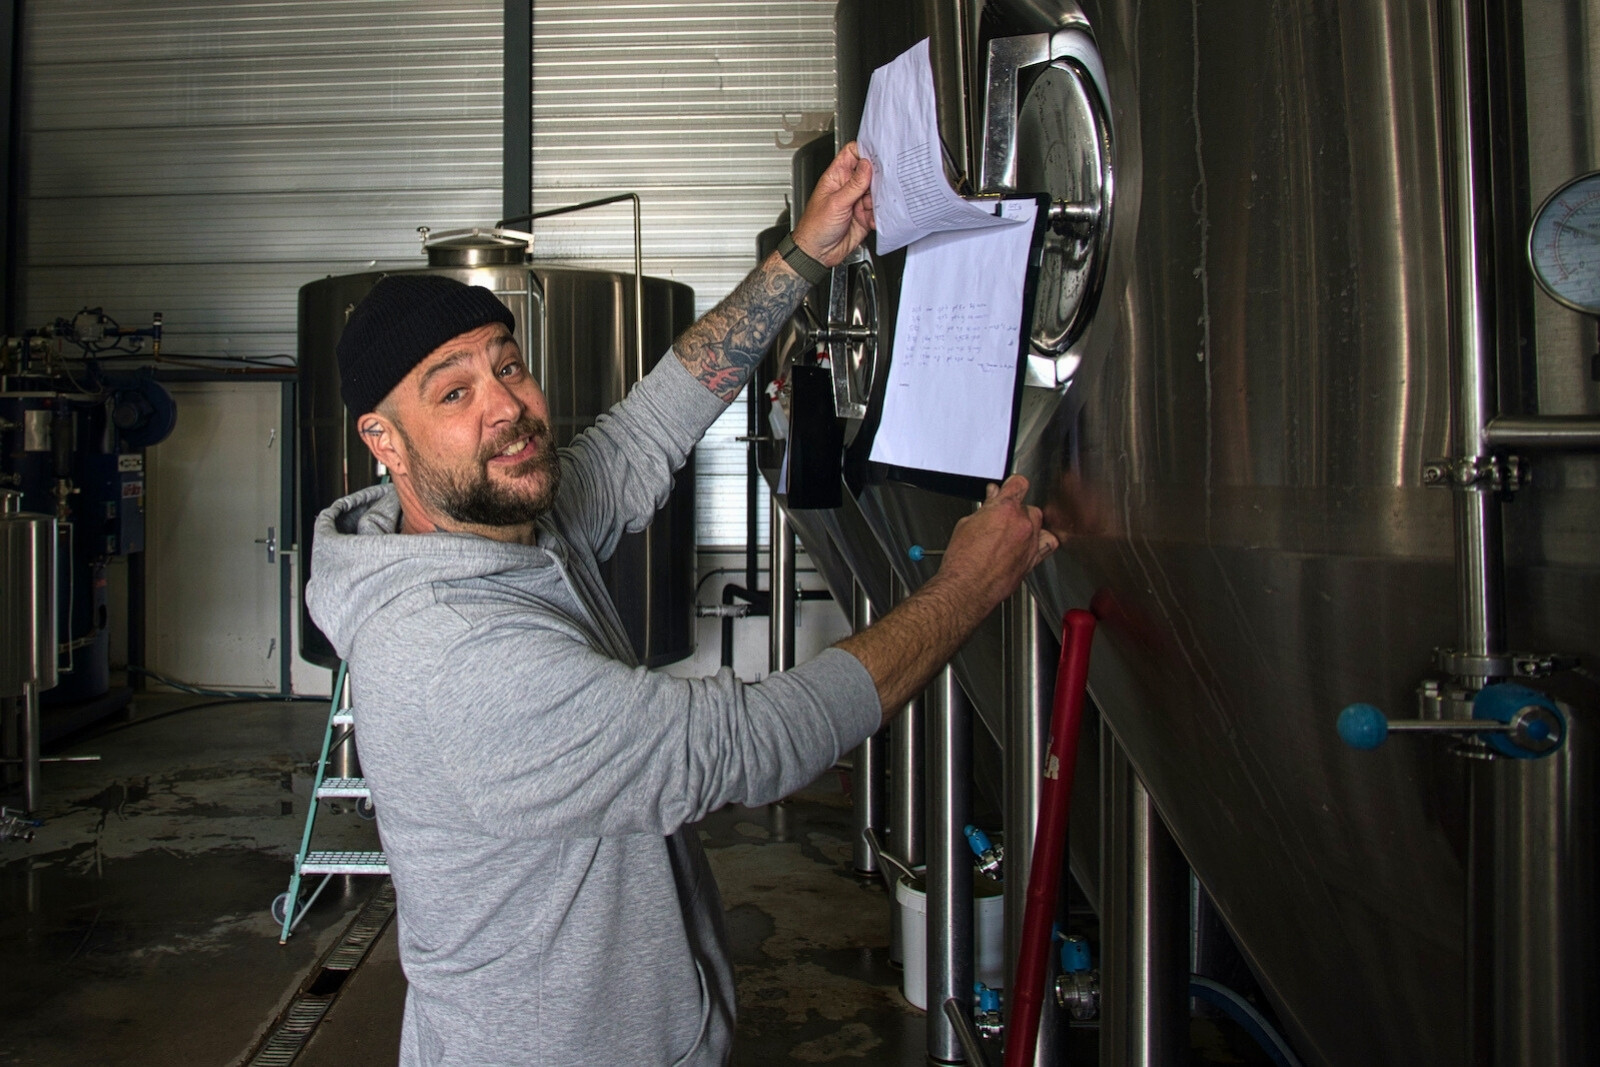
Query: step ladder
[[287, 908]]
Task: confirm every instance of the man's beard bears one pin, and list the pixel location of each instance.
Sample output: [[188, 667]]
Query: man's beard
[[471, 497]]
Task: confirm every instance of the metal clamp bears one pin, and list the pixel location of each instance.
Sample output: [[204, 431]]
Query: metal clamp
[[271, 541], [1498, 474], [1508, 665]]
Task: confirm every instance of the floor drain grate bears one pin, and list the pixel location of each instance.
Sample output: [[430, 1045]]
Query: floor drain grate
[[300, 1019]]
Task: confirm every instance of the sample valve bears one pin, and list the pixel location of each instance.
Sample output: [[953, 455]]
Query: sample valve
[[1078, 984], [988, 857], [1513, 721], [17, 826], [986, 1011]]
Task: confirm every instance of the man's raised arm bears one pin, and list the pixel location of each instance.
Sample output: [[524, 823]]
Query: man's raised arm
[[722, 348]]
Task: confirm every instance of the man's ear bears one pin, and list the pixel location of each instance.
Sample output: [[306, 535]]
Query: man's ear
[[383, 441]]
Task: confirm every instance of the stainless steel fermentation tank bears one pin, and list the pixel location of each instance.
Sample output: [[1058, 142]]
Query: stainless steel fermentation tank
[[578, 330], [1310, 286]]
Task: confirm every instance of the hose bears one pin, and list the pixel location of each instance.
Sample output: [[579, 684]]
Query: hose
[[1044, 872], [1245, 1014]]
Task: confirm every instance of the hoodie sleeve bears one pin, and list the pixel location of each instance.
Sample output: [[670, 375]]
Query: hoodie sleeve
[[618, 473], [551, 738]]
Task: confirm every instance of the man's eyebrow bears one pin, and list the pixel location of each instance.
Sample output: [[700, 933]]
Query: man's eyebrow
[[445, 364]]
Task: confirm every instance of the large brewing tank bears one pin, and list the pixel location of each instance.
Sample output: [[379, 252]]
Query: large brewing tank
[[576, 328], [1238, 466]]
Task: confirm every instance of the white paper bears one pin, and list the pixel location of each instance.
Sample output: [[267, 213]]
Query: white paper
[[948, 403], [900, 135]]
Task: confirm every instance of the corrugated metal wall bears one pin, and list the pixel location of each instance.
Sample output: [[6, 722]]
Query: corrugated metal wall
[[205, 160], [681, 102]]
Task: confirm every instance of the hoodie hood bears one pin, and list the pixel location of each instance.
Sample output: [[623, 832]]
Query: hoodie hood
[[360, 561]]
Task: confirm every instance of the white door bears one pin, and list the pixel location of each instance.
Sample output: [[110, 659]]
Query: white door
[[213, 489]]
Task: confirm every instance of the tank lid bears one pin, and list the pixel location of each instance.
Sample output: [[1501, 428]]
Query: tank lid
[[477, 247]]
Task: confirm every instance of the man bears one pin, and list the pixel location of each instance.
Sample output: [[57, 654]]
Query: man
[[534, 785]]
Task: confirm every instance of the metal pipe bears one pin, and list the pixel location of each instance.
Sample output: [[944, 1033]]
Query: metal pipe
[[780, 655], [949, 875], [1561, 433], [867, 801], [638, 258], [1030, 671], [1144, 974], [29, 729], [906, 811]]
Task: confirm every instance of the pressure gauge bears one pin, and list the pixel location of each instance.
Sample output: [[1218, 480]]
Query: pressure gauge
[[1564, 244]]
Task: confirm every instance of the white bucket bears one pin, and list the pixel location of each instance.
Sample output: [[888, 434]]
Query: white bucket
[[988, 929]]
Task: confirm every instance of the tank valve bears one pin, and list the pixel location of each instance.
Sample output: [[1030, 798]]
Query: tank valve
[[916, 553], [986, 1011], [1078, 985], [988, 857], [1512, 720], [16, 826]]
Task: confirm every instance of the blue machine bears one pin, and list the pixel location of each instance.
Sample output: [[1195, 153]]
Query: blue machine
[[72, 440]]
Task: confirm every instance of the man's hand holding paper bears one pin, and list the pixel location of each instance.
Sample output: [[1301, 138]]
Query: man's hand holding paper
[[900, 135]]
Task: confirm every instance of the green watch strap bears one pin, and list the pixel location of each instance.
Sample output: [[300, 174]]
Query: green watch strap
[[809, 269]]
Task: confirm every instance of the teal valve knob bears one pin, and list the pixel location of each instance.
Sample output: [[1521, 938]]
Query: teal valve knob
[[916, 553], [1362, 726], [978, 841]]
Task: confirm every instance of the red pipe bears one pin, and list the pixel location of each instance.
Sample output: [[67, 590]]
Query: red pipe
[[1050, 837]]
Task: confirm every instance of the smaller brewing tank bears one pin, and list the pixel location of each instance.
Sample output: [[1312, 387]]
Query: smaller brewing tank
[[576, 329], [27, 597]]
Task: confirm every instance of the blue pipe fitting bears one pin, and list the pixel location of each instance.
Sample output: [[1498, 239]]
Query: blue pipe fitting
[[978, 841], [987, 999]]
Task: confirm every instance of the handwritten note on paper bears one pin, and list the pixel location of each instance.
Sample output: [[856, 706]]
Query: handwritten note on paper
[[952, 384], [900, 135]]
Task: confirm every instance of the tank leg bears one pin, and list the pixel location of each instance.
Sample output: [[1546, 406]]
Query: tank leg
[[1031, 657], [950, 933], [867, 801], [1144, 925]]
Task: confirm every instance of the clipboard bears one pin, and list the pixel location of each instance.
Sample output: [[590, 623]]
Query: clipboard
[[956, 484]]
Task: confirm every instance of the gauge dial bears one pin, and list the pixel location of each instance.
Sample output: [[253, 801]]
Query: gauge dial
[[1564, 244]]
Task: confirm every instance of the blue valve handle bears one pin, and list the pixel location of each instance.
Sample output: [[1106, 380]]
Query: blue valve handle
[[916, 553], [1074, 955], [978, 841], [1514, 720], [988, 1000]]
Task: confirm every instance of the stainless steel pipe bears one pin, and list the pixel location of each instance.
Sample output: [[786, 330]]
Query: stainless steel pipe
[[1031, 656], [949, 875], [867, 800], [1144, 927], [906, 802], [780, 656], [1553, 433], [28, 729]]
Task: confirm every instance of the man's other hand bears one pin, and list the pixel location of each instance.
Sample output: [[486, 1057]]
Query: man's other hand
[[838, 216], [991, 550]]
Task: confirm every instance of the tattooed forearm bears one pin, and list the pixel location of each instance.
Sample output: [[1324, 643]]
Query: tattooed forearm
[[723, 347]]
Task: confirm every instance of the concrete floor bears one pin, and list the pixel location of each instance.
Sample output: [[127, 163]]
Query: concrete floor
[[134, 929]]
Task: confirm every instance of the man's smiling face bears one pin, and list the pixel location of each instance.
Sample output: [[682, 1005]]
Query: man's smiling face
[[471, 447]]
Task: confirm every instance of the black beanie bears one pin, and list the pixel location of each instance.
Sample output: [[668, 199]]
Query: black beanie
[[398, 323]]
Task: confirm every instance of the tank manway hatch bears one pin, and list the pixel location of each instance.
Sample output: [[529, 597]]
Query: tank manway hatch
[[1048, 129], [476, 247]]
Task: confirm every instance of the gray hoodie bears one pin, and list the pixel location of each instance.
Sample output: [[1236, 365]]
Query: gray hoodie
[[533, 784]]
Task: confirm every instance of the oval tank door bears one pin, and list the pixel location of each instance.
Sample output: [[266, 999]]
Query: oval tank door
[[1048, 130]]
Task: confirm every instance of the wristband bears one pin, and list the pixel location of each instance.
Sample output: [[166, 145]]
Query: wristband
[[808, 268]]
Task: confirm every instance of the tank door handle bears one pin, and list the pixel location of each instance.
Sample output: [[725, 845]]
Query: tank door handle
[[271, 541]]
